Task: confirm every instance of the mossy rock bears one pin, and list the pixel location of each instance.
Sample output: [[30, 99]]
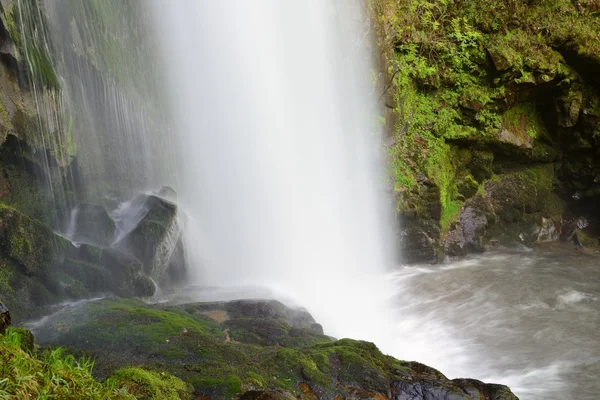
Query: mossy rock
[[480, 165], [25, 240], [154, 239], [521, 192], [22, 190], [152, 385], [186, 342]]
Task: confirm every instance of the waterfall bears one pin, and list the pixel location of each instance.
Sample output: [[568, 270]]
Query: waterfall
[[275, 118], [263, 117]]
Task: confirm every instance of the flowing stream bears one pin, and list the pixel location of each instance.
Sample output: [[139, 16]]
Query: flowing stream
[[528, 320]]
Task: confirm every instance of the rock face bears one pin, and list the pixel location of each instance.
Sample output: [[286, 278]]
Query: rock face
[[249, 349], [497, 134]]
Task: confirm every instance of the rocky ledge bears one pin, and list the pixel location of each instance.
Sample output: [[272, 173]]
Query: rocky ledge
[[249, 349]]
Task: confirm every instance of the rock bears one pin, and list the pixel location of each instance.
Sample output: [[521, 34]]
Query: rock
[[191, 343], [5, 320], [473, 227], [176, 272], [154, 239], [480, 165], [568, 108], [128, 278], [548, 231], [92, 224], [167, 193], [25, 240], [454, 242], [479, 390], [416, 244]]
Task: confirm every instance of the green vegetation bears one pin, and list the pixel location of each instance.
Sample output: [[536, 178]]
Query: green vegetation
[[49, 374], [477, 75], [148, 385], [220, 363], [25, 240]]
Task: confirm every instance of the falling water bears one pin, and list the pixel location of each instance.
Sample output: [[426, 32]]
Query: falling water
[[276, 121]]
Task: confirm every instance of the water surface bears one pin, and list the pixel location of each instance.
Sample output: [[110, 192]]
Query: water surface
[[530, 320]]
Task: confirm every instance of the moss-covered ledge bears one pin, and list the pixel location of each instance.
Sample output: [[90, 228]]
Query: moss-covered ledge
[[204, 345]]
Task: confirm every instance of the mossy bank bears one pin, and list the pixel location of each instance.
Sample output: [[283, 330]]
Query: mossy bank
[[484, 100]]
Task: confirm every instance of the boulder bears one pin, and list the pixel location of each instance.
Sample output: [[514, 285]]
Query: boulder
[[91, 224], [155, 237]]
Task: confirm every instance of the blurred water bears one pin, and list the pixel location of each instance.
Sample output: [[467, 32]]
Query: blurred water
[[275, 115], [528, 320]]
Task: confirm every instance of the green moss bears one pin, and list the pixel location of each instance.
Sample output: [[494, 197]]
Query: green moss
[[27, 26], [25, 240], [221, 388], [523, 120], [470, 74], [151, 385]]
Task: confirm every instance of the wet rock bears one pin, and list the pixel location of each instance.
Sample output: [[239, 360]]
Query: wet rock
[[190, 342], [25, 240], [176, 272], [5, 320], [420, 243], [473, 225], [154, 239], [269, 322], [167, 193], [93, 225], [480, 390], [454, 242]]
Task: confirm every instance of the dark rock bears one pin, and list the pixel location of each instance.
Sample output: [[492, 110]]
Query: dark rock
[[5, 320], [488, 391], [154, 239], [454, 242], [473, 227], [481, 165], [266, 395], [93, 225], [568, 108], [420, 243]]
